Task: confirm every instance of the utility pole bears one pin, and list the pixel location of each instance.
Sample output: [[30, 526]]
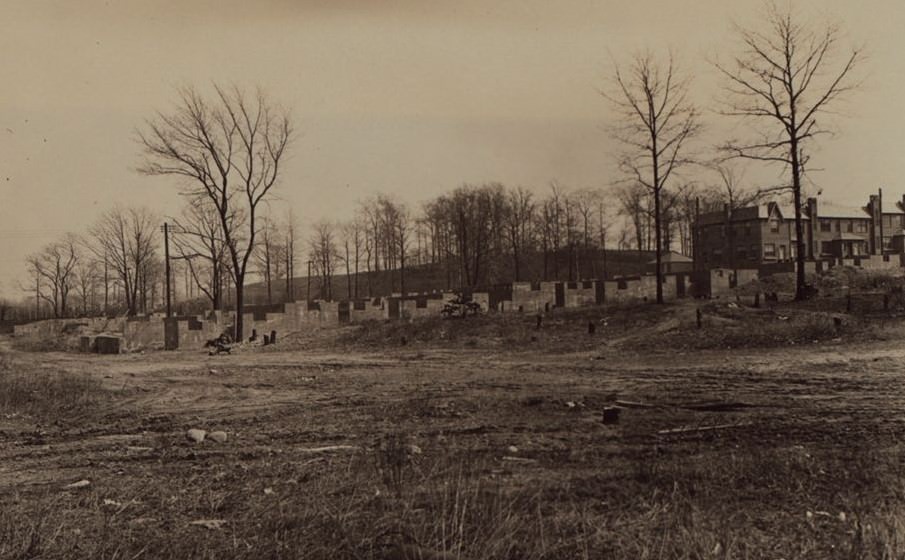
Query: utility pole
[[106, 286], [308, 297], [166, 252]]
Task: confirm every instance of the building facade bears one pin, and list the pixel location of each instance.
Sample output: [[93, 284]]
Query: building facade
[[765, 234]]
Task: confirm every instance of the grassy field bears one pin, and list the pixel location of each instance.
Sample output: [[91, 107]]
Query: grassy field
[[472, 440]]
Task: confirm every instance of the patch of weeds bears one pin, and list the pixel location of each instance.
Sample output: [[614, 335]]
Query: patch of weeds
[[45, 393]]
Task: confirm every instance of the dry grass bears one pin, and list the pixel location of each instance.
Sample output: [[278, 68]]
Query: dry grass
[[749, 504], [37, 392]]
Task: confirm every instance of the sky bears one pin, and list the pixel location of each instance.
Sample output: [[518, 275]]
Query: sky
[[413, 97]]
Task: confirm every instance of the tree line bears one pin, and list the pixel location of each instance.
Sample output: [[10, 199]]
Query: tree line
[[226, 149]]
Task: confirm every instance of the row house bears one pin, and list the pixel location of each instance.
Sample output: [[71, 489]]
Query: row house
[[765, 233], [745, 237]]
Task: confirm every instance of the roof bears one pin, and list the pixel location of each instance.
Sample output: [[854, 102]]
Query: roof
[[759, 212], [672, 257], [830, 210]]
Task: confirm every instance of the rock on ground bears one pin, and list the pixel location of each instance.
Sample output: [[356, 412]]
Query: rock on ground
[[195, 435], [218, 437]]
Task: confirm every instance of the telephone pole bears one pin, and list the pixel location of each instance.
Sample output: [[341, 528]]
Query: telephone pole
[[166, 253]]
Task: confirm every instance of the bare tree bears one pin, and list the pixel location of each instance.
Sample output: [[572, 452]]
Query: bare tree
[[269, 256], [353, 243], [230, 150], [324, 255], [781, 82], [520, 219], [54, 267], [656, 120], [127, 240], [290, 253], [200, 244], [87, 277]]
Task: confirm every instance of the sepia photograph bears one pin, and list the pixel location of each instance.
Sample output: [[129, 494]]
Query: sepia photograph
[[452, 279]]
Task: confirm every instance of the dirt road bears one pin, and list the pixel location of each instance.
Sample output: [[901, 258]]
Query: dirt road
[[534, 419]]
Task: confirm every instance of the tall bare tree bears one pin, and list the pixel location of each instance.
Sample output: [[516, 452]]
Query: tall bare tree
[[657, 119], [519, 224], [127, 240], [289, 228], [324, 254], [782, 80], [200, 244], [230, 150], [54, 266]]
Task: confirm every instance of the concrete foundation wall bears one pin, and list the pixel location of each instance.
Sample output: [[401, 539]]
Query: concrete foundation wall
[[582, 294], [531, 298], [642, 288], [54, 327]]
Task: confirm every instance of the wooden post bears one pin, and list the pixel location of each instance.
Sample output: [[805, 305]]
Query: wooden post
[[699, 317]]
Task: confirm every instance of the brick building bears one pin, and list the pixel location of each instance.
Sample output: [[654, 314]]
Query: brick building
[[746, 237], [765, 234]]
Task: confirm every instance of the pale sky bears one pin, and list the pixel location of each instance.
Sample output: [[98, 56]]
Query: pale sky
[[407, 96]]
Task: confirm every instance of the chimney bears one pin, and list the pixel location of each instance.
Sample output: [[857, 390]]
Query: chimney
[[812, 208], [873, 206]]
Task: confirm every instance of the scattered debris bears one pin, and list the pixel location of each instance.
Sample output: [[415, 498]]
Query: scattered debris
[[195, 435], [328, 448], [570, 404], [217, 437], [414, 449], [693, 429], [109, 502], [633, 404], [80, 484], [512, 449], [717, 406], [268, 491], [209, 523]]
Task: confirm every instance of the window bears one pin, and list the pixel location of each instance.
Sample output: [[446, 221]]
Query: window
[[850, 226], [769, 251], [748, 229], [826, 247], [838, 225], [753, 254], [774, 224], [861, 226], [826, 225]]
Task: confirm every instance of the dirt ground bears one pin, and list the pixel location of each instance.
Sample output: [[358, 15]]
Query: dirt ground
[[464, 453]]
